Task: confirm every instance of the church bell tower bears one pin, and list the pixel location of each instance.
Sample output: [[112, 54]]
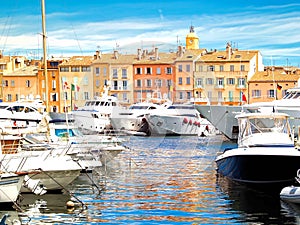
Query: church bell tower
[[191, 40]]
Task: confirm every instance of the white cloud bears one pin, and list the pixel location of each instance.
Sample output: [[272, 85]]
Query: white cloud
[[268, 29]]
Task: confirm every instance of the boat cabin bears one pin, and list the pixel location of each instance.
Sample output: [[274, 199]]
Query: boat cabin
[[260, 129]]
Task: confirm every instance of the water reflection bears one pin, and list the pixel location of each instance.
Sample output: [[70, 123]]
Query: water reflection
[[262, 206], [163, 181]]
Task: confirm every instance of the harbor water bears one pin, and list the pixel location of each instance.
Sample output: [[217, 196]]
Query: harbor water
[[159, 180]]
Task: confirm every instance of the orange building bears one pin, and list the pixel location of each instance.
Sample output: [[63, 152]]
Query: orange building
[[184, 73], [153, 73], [271, 84], [18, 77], [54, 84]]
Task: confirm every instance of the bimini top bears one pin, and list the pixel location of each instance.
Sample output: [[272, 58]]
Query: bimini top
[[261, 115]]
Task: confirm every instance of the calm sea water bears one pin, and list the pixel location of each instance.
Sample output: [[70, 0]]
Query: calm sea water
[[170, 180]]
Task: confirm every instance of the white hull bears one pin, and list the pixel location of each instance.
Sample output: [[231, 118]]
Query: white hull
[[10, 186], [94, 116], [290, 194], [88, 124], [125, 124], [173, 125], [54, 180], [56, 172]]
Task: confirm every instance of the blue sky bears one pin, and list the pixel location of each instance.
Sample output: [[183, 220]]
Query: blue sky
[[77, 27]]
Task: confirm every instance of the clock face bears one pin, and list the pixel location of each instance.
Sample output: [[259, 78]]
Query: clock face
[[191, 41]]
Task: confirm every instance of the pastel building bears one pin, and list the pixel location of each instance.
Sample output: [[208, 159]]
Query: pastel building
[[153, 74], [221, 76]]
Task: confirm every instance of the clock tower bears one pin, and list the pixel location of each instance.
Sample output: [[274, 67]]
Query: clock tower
[[191, 40]]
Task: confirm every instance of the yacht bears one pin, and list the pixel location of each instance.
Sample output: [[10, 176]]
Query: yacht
[[223, 116], [28, 114], [94, 116], [42, 162], [265, 153], [178, 119], [132, 120], [90, 150]]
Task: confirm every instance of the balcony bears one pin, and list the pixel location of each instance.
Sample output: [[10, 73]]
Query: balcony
[[220, 87], [240, 87]]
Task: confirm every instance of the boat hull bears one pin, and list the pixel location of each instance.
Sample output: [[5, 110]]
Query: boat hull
[[10, 187], [290, 194], [260, 169], [173, 125], [222, 117], [129, 124]]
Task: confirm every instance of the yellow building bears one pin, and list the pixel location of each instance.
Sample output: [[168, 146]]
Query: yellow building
[[76, 79], [114, 70], [221, 76]]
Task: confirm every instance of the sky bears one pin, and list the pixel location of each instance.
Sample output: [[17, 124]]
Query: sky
[[76, 27]]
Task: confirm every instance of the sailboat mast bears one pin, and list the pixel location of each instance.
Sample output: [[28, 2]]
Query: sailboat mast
[[45, 53]]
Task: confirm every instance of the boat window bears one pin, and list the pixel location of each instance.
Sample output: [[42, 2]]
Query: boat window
[[297, 95], [138, 107], [64, 133], [102, 103], [17, 108], [97, 103], [262, 125], [152, 107], [114, 103], [106, 103]]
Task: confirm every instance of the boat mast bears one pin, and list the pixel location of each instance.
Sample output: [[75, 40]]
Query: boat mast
[[45, 53]]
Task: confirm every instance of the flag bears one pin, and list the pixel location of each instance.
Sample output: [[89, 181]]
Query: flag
[[244, 99], [73, 87], [66, 85], [279, 87]]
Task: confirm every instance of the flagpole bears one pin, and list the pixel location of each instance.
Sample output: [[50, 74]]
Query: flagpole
[[71, 95]]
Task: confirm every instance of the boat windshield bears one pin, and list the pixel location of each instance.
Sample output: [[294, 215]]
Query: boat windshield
[[263, 125]]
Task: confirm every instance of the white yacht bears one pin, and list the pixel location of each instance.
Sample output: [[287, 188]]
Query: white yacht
[[50, 166], [94, 116], [265, 153], [90, 150], [132, 120], [26, 114], [178, 119]]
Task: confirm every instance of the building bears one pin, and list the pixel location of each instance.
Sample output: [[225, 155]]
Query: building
[[221, 76], [54, 84], [18, 77], [115, 71], [271, 84], [153, 74], [76, 79], [184, 73]]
